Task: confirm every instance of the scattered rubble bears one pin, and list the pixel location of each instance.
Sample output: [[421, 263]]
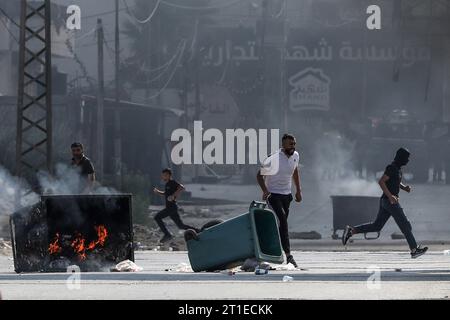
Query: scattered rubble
[[146, 238], [182, 267]]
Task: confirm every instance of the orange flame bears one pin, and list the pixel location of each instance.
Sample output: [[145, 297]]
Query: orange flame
[[102, 234], [54, 246], [78, 244]]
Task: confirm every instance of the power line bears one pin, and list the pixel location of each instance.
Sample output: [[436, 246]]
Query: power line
[[180, 50], [9, 31], [86, 34], [168, 63], [10, 19], [102, 13], [172, 75], [80, 63], [175, 5], [145, 20]]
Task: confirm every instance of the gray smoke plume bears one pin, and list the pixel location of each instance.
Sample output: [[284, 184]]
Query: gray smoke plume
[[335, 167], [66, 181], [12, 188]]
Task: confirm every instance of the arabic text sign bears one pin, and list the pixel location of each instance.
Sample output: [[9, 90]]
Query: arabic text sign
[[345, 51], [310, 90]]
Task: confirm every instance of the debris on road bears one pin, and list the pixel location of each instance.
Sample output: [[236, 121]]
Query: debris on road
[[249, 265], [126, 266], [287, 279], [182, 267], [146, 238], [230, 272], [259, 271], [285, 267]]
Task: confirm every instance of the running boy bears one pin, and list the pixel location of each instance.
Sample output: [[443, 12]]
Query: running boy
[[171, 193]]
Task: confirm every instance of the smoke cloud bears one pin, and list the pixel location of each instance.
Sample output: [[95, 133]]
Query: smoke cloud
[[64, 181], [12, 188], [336, 167]]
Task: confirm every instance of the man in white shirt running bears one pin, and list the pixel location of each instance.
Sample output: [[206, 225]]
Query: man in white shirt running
[[275, 179]]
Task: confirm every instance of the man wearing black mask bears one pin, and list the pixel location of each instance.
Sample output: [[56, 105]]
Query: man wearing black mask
[[390, 183]]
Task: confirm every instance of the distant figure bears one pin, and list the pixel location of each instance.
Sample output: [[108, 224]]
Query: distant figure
[[83, 166], [171, 193], [277, 187], [390, 183]]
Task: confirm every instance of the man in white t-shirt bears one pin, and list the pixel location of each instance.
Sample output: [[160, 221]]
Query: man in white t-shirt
[[275, 179]]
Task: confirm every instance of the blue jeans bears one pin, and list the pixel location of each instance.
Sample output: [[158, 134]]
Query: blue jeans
[[386, 211]]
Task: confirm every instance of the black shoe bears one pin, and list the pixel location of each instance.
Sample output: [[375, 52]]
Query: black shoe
[[346, 235], [290, 259], [418, 252], [166, 238]]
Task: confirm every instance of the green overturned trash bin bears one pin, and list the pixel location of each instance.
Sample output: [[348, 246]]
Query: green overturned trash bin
[[228, 244]]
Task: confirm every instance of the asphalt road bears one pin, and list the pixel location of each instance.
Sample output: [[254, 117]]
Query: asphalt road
[[426, 206], [323, 275]]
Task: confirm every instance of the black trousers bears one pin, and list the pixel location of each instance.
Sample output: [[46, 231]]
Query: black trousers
[[280, 205], [385, 212], [172, 212]]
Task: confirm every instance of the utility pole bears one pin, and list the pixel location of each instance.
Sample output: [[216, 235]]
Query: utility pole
[[262, 53], [197, 89], [100, 100], [34, 99], [117, 131], [283, 69]]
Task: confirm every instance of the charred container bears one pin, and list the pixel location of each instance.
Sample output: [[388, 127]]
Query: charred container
[[353, 210], [93, 232]]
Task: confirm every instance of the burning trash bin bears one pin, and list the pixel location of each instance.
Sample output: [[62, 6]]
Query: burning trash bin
[[228, 244], [93, 232]]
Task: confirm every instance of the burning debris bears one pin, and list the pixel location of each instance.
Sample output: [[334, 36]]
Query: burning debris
[[91, 231], [78, 243]]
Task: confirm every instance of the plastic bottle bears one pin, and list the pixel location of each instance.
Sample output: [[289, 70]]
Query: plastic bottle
[[260, 271]]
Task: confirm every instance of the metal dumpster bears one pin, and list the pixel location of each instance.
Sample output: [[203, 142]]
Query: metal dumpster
[[353, 210], [253, 234], [93, 232]]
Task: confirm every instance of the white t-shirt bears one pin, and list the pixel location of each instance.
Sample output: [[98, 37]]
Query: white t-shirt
[[278, 169]]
